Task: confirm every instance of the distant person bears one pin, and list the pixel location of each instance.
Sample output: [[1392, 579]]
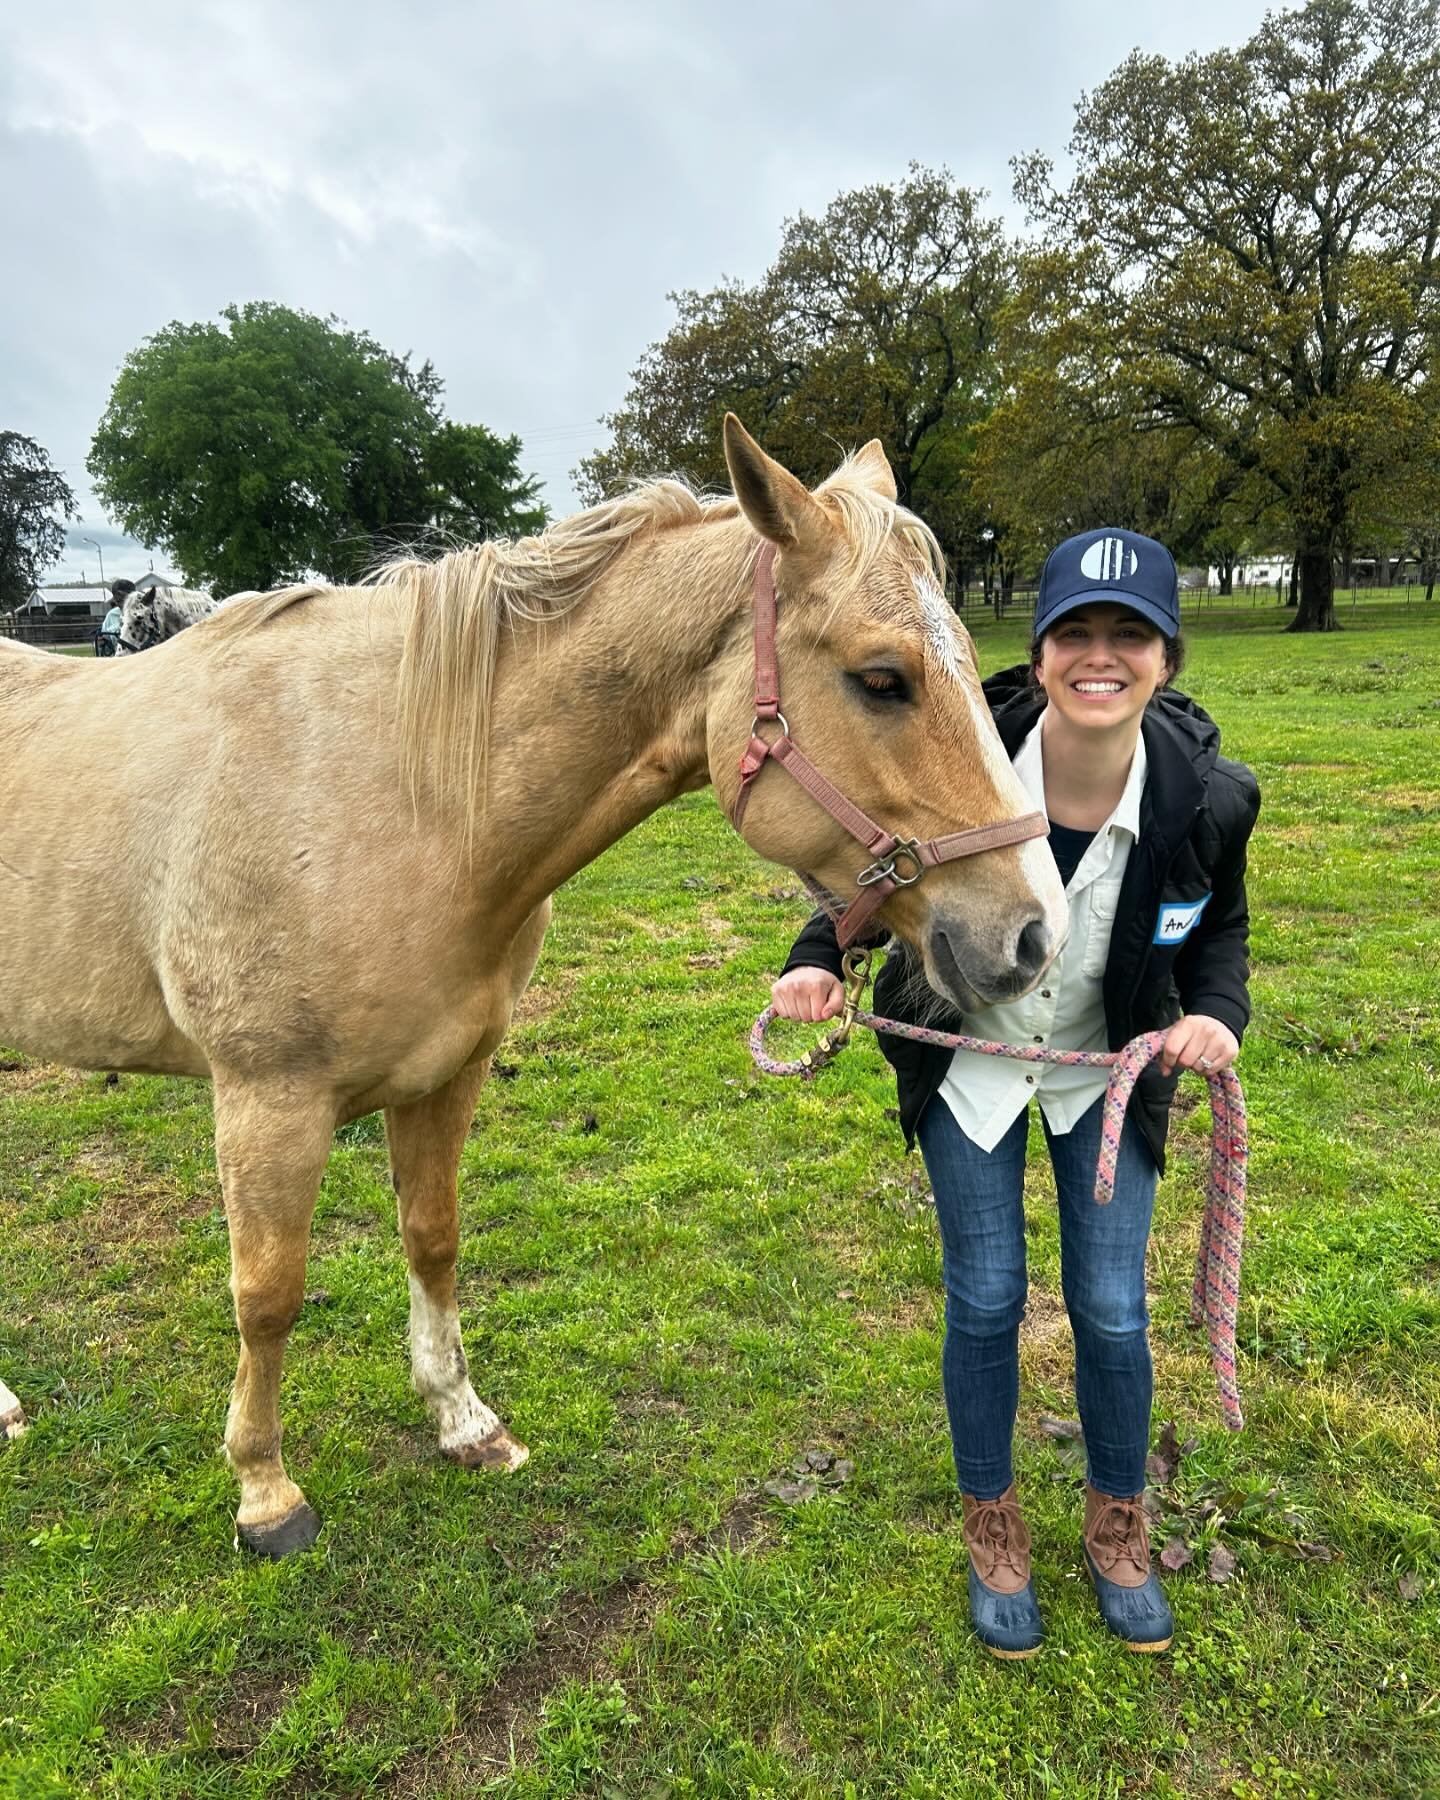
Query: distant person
[[110, 625]]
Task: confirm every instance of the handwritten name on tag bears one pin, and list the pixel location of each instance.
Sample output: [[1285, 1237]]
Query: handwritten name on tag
[[1176, 922]]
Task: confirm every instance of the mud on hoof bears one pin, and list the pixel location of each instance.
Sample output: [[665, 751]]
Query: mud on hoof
[[496, 1451], [297, 1531]]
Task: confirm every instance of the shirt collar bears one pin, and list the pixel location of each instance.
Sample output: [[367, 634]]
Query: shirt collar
[[1029, 765]]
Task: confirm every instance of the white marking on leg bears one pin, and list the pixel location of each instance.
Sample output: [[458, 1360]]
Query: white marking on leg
[[441, 1374]]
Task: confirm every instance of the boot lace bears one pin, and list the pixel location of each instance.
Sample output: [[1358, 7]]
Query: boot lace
[[1120, 1533], [999, 1537]]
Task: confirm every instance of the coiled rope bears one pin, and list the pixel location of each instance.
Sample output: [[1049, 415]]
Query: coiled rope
[[1215, 1294]]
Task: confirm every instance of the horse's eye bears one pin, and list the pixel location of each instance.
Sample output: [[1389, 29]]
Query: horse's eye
[[881, 684]]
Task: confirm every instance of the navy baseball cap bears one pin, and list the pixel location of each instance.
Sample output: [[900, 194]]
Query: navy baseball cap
[[1119, 567]]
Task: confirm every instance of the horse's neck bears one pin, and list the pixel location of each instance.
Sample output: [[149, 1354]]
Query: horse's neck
[[602, 715]]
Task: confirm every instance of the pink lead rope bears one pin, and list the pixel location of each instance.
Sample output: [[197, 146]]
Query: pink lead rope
[[1215, 1295]]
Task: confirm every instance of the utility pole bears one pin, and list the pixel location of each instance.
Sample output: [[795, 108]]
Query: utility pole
[[101, 554]]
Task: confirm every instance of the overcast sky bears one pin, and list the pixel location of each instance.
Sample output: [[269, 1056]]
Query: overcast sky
[[509, 190]]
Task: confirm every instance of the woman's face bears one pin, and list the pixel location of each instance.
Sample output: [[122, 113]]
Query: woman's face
[[1100, 664]]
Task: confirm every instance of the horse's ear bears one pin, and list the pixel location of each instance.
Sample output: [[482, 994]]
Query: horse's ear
[[873, 467], [776, 504], [148, 597]]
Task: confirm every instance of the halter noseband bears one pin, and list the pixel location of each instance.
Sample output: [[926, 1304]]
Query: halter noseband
[[898, 862]]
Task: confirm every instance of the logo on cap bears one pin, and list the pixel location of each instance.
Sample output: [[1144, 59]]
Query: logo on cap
[[1108, 559]]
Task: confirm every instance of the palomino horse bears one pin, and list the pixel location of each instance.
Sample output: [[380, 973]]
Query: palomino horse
[[326, 877]]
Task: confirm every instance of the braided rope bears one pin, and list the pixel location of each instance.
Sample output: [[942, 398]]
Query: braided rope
[[1215, 1294]]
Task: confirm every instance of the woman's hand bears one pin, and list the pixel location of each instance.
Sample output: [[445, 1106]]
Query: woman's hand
[[1198, 1042], [808, 994]]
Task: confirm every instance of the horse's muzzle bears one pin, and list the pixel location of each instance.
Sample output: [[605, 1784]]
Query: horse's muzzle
[[977, 973]]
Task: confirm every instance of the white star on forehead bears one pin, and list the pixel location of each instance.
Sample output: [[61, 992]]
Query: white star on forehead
[[939, 626]]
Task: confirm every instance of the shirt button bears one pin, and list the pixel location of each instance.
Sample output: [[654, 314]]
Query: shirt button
[[1031, 1080], [1038, 1039], [1044, 993]]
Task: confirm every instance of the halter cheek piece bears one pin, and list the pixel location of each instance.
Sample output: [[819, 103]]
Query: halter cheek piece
[[898, 862]]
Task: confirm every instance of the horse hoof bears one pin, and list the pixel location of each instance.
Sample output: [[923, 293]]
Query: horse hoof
[[497, 1451], [12, 1416], [287, 1537]]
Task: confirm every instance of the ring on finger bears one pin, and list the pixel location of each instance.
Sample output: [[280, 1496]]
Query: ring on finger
[[1205, 1062]]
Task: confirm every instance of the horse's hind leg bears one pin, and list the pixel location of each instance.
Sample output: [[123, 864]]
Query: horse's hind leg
[[426, 1138], [271, 1144]]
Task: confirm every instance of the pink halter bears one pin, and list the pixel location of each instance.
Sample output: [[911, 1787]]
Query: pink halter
[[898, 862]]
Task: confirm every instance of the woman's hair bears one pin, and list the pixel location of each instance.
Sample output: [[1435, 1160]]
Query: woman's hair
[[1174, 656]]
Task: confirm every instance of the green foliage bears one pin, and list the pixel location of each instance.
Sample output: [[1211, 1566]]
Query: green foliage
[[875, 320], [725, 1274], [1246, 263], [280, 444], [31, 536]]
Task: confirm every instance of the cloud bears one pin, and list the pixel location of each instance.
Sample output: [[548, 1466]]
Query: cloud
[[509, 191]]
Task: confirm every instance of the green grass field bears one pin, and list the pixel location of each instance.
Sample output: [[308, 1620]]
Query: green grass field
[[678, 1278]]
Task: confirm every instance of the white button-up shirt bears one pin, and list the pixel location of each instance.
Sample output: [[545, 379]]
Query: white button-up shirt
[[1067, 1010]]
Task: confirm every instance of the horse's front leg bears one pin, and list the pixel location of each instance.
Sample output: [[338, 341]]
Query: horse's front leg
[[271, 1144], [426, 1137]]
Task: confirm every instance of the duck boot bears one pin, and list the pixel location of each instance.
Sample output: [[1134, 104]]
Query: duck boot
[[1117, 1552], [1002, 1595]]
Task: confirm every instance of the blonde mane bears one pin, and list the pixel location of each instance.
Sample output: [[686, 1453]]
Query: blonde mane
[[455, 607], [459, 603]]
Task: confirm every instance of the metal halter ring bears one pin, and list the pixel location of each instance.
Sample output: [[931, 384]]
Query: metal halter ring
[[755, 724], [883, 869]]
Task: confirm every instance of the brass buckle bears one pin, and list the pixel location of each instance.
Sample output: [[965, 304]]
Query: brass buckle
[[856, 964], [884, 869]]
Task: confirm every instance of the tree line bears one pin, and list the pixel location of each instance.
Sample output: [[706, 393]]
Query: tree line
[[272, 445], [1222, 329]]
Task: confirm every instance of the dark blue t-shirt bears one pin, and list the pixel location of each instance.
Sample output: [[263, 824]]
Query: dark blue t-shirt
[[1068, 846]]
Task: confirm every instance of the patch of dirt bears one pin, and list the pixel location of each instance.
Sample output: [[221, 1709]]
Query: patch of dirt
[[498, 1730], [1411, 799], [541, 998], [1047, 1351], [721, 931], [649, 1405], [576, 1644], [745, 1523], [909, 1311], [21, 1077], [243, 1712]]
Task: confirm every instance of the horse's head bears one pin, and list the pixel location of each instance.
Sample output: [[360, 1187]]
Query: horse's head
[[879, 686], [139, 622]]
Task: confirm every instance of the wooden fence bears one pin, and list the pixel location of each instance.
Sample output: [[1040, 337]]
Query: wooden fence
[[48, 632]]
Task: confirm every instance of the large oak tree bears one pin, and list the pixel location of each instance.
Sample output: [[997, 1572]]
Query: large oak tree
[[278, 443], [1247, 259], [875, 320]]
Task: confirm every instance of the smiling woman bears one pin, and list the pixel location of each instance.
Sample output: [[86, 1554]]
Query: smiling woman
[[1148, 828]]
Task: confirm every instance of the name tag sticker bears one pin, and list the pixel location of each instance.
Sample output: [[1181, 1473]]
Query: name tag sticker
[[1175, 923]]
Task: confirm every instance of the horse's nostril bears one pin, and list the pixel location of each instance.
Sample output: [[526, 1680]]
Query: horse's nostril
[[1032, 946]]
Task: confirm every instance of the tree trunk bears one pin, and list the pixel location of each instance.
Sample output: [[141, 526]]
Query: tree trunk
[[1227, 577], [1316, 611], [1294, 599]]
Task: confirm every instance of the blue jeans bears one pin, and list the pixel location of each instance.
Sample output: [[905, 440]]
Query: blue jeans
[[979, 1203]]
